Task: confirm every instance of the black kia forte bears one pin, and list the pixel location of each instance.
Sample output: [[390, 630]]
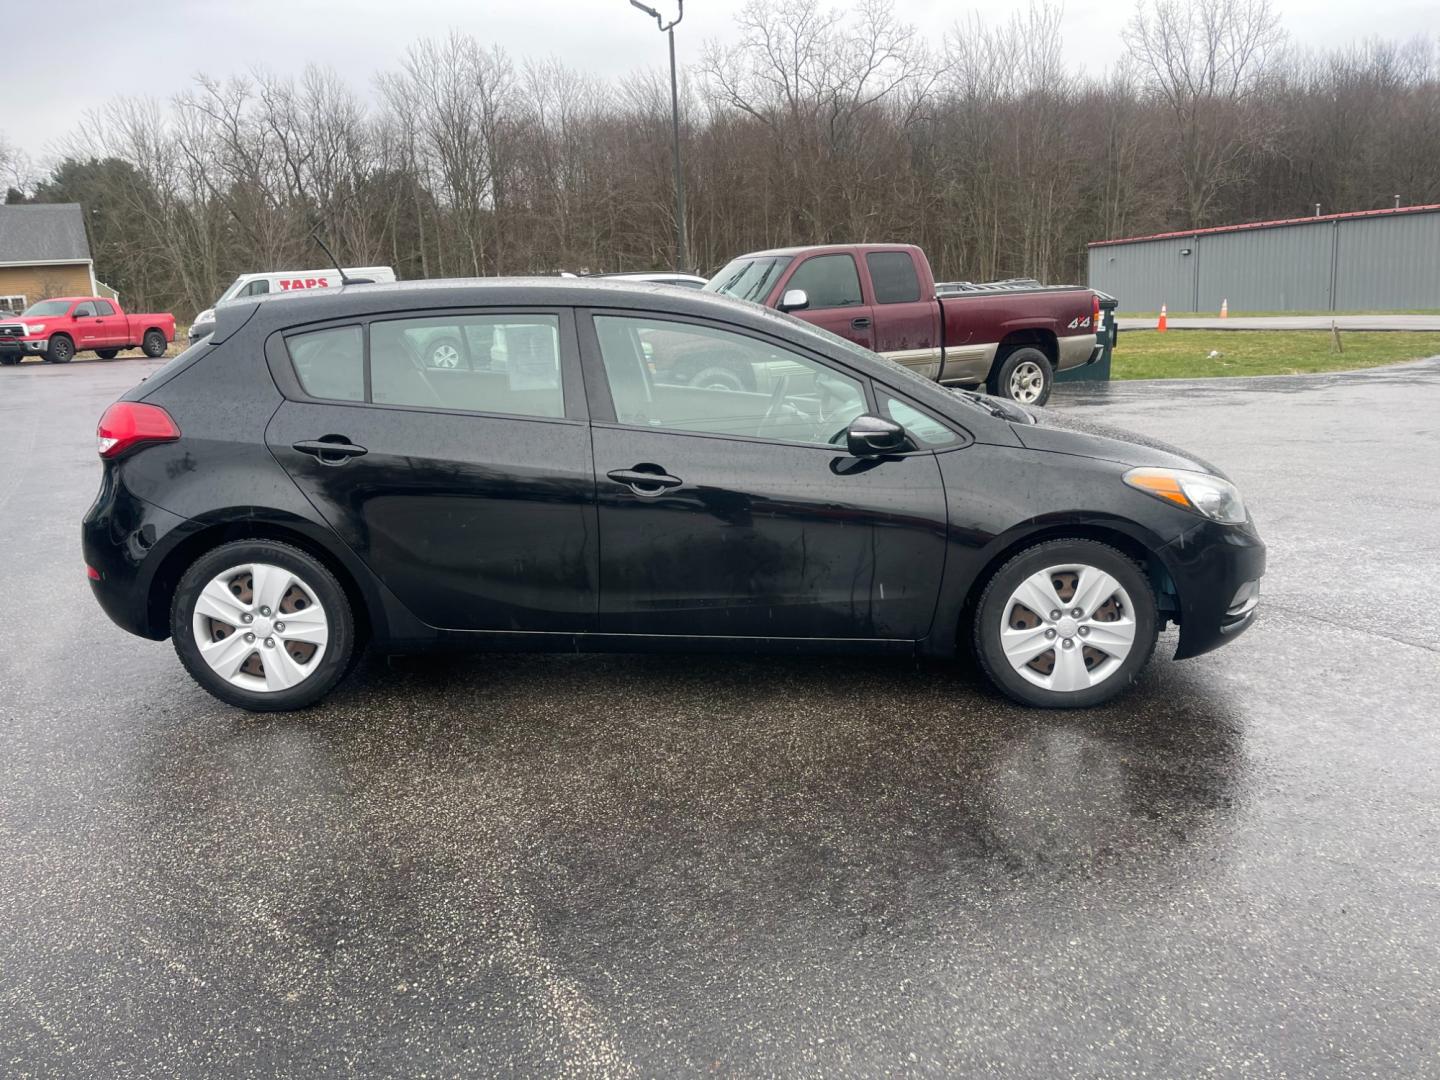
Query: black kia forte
[[307, 480]]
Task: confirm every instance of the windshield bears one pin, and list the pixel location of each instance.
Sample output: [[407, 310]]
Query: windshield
[[47, 307], [749, 279]]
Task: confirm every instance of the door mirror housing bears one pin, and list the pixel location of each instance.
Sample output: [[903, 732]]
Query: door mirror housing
[[794, 300], [873, 436]]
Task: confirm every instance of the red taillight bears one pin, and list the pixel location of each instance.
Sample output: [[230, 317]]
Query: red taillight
[[130, 423], [1095, 312]]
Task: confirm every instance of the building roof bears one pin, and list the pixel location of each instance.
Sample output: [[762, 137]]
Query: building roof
[[43, 232], [1389, 212]]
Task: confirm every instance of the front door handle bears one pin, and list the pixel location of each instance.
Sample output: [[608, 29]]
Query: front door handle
[[331, 449], [860, 323], [645, 481]]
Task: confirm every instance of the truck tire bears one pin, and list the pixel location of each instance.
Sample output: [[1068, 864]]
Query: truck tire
[[9, 358], [153, 344], [1023, 375], [61, 350], [107, 354]]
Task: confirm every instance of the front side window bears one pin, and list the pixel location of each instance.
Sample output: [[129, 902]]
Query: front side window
[[829, 281], [892, 273], [84, 311], [484, 363], [104, 307], [330, 363], [921, 426], [686, 377], [258, 287]]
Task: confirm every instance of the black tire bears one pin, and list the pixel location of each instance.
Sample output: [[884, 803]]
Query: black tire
[[61, 350], [9, 359], [991, 610], [153, 344], [1024, 364], [332, 664], [107, 354]]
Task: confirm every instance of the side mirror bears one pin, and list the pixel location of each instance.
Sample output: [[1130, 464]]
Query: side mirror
[[794, 300], [872, 436]]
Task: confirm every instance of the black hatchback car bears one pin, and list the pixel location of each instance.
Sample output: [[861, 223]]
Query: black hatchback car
[[301, 482]]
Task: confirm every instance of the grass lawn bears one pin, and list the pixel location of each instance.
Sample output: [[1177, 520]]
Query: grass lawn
[[1185, 354], [1263, 314]]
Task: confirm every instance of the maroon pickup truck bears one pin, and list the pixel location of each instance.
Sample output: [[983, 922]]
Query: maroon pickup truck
[[1010, 336]]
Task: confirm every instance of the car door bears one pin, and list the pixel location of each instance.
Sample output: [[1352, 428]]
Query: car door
[[906, 324], [832, 285], [85, 328], [470, 493], [736, 513]]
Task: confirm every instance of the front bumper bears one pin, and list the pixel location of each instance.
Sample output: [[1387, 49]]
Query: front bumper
[[24, 346], [1216, 569]]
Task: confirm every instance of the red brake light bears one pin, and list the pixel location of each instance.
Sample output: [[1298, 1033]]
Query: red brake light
[[130, 423], [1095, 311]]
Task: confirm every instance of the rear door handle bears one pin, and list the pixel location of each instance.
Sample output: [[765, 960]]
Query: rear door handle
[[331, 450], [643, 481], [861, 323]]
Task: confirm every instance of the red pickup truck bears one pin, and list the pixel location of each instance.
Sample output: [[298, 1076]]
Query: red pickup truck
[[1010, 336], [58, 329]]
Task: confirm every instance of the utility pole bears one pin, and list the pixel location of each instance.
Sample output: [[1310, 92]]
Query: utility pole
[[669, 29]]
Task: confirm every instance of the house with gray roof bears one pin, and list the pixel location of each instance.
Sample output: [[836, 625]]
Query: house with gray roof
[[44, 252]]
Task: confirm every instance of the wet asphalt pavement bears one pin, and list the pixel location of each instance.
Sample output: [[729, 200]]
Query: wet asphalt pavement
[[670, 866]]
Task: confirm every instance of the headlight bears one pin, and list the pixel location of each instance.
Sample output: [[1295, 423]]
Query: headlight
[[32, 328], [1209, 495]]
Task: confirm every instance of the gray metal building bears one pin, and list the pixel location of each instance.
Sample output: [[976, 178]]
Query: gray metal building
[[1368, 260]]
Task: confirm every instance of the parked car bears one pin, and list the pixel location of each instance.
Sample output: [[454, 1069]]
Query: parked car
[[1008, 336], [284, 281], [301, 482], [58, 329]]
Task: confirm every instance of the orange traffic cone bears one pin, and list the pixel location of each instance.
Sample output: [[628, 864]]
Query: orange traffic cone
[[1160, 326], [1224, 309]]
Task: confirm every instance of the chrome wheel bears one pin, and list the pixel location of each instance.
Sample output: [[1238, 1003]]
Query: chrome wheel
[[260, 627], [1027, 382], [445, 355], [1067, 627]]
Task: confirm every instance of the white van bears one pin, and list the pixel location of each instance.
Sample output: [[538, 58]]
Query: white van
[[285, 281]]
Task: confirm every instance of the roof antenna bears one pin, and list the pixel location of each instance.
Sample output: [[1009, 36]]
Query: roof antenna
[[344, 279]]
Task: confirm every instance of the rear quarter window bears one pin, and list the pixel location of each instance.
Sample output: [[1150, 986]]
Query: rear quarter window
[[330, 363]]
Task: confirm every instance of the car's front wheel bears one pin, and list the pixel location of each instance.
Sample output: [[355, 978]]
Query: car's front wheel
[[262, 625], [1066, 624]]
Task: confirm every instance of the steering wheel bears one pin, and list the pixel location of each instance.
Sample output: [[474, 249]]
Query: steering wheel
[[777, 397]]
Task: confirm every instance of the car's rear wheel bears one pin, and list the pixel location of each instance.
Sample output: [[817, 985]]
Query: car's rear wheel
[[1066, 624], [262, 625], [1023, 375], [107, 354], [153, 344], [61, 350]]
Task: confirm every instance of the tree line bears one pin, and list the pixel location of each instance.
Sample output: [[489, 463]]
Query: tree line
[[813, 125]]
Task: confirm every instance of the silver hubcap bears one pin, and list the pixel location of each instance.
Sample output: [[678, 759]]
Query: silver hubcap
[[1067, 628], [260, 627], [1026, 382], [445, 356]]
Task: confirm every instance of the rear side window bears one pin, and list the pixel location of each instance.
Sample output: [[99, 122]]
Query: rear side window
[[484, 363], [893, 275], [330, 363], [828, 280]]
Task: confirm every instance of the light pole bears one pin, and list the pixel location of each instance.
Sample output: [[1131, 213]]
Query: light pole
[[669, 29]]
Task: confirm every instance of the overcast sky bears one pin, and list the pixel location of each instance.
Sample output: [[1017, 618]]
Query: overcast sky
[[68, 56]]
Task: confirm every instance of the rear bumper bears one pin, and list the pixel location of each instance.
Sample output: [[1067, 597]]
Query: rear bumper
[[1217, 570], [1078, 351], [125, 539]]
